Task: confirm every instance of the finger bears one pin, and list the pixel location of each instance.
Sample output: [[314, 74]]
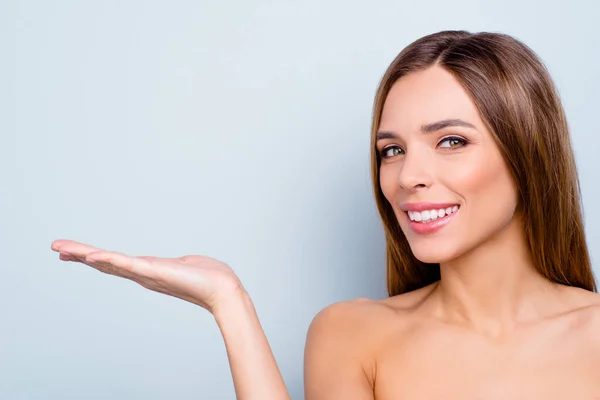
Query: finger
[[117, 264], [57, 243], [102, 263], [67, 257], [148, 258], [72, 247]]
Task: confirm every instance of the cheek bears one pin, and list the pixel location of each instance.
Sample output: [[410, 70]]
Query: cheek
[[388, 182], [488, 191]]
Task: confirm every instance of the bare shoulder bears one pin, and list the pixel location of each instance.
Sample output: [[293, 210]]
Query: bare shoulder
[[583, 309], [580, 299], [336, 356], [364, 320], [351, 312], [364, 314], [343, 340], [350, 323]]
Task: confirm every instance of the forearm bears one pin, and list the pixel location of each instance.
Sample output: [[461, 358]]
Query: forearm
[[253, 366]]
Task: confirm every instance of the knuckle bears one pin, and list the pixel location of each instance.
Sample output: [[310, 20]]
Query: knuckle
[[190, 258]]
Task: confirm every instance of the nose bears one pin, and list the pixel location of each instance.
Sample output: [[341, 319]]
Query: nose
[[416, 171]]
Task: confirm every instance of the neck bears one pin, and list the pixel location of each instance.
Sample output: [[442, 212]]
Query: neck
[[495, 286]]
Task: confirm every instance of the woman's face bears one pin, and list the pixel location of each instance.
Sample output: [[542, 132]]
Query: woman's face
[[441, 170]]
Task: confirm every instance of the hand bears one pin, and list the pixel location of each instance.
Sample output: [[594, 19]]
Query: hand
[[197, 279]]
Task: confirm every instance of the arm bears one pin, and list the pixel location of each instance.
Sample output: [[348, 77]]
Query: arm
[[212, 285], [336, 359], [253, 367]]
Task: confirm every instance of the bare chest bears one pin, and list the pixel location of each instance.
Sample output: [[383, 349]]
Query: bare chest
[[434, 366]]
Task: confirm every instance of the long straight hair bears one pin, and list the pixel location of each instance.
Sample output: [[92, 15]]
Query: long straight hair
[[517, 100]]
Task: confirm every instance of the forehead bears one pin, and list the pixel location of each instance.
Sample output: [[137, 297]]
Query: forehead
[[424, 97]]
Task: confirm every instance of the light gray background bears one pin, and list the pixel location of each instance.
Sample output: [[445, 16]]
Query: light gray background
[[235, 129]]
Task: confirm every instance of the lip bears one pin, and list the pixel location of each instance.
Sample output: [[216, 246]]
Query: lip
[[424, 228]]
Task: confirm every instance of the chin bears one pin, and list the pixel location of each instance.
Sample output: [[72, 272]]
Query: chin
[[437, 253]]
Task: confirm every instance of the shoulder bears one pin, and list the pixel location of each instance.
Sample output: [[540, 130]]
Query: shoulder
[[362, 323], [363, 310], [347, 324], [590, 306], [361, 319], [584, 325], [346, 339], [579, 299], [583, 310], [342, 314], [339, 357]]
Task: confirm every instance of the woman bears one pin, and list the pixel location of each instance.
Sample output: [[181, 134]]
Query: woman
[[492, 295]]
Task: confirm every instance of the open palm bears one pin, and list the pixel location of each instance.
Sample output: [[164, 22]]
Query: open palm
[[198, 279]]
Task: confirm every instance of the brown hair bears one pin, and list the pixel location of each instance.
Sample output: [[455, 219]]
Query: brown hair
[[517, 100]]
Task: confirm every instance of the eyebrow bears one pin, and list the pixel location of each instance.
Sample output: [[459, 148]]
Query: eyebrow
[[428, 128]]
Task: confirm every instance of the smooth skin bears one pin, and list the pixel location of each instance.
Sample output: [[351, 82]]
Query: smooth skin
[[213, 286], [491, 329]]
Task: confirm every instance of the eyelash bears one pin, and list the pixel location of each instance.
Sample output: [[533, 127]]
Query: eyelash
[[463, 143]]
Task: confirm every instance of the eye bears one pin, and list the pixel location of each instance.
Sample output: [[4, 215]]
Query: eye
[[452, 142], [390, 151]]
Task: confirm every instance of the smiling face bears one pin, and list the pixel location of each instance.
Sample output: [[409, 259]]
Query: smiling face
[[441, 170]]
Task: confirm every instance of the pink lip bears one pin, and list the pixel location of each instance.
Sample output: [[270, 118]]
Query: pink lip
[[425, 206], [424, 228]]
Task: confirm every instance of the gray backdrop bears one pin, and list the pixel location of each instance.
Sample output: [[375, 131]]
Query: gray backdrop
[[235, 129]]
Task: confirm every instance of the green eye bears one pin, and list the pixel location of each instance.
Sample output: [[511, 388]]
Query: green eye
[[452, 142], [391, 151]]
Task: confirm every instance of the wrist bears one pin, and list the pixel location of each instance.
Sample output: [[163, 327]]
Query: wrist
[[234, 303]]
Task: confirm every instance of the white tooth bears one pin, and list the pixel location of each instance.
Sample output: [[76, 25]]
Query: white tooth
[[454, 209], [417, 216], [433, 214], [449, 210], [425, 215], [441, 212], [411, 216]]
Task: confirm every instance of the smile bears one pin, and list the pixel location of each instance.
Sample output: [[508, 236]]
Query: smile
[[431, 215], [427, 218]]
